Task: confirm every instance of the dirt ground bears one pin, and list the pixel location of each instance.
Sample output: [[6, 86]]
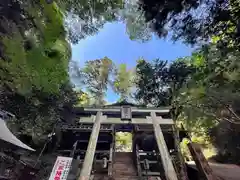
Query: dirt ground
[[224, 171]]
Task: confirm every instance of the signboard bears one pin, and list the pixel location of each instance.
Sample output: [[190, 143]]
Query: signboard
[[126, 113], [61, 168]]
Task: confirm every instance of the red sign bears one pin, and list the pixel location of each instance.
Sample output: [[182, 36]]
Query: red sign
[[61, 168]]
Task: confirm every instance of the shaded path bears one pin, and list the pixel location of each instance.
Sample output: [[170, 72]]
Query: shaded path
[[224, 171]]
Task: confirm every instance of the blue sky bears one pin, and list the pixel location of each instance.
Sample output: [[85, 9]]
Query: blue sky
[[112, 41]]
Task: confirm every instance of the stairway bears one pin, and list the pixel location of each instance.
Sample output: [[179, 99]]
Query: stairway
[[123, 167]]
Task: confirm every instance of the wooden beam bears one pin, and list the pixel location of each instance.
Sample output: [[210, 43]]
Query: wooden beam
[[80, 151], [80, 128], [159, 120], [134, 109], [89, 156], [148, 120], [165, 157]]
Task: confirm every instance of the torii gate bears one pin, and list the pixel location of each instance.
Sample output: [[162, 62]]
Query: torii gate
[[126, 112]]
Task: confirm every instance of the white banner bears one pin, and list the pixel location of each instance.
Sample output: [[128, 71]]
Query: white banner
[[61, 168]]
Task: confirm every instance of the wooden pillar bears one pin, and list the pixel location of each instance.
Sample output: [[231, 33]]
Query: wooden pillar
[[165, 157], [89, 156], [183, 168], [112, 153], [138, 162]]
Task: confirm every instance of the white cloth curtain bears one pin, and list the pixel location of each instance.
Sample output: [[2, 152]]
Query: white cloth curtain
[[6, 135]]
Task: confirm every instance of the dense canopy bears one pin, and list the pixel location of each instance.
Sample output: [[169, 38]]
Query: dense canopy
[[37, 71]]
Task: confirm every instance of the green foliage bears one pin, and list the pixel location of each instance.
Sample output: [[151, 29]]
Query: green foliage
[[203, 92], [28, 70], [123, 81], [136, 26], [207, 149], [212, 100], [48, 21], [147, 84], [83, 99], [186, 20], [225, 137], [214, 86], [123, 141], [160, 85], [34, 81], [85, 18], [44, 64], [96, 76]]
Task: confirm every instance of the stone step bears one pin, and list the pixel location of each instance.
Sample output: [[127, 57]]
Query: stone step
[[127, 178], [100, 177], [123, 155], [124, 172], [123, 167], [119, 174], [118, 165], [124, 161]]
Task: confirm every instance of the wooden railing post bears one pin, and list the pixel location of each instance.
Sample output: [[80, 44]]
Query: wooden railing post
[[89, 156], [202, 164], [165, 157], [183, 168]]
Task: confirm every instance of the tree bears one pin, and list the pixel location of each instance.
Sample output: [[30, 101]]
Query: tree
[[178, 75], [136, 26], [123, 82], [212, 99], [217, 82], [160, 85], [21, 62], [95, 76], [34, 59], [83, 99], [195, 21], [148, 85], [85, 18]]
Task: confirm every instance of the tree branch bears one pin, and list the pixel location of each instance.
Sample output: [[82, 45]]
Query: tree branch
[[232, 112]]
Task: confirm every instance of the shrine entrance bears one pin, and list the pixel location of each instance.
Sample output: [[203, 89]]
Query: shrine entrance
[[123, 141], [100, 158], [123, 137]]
